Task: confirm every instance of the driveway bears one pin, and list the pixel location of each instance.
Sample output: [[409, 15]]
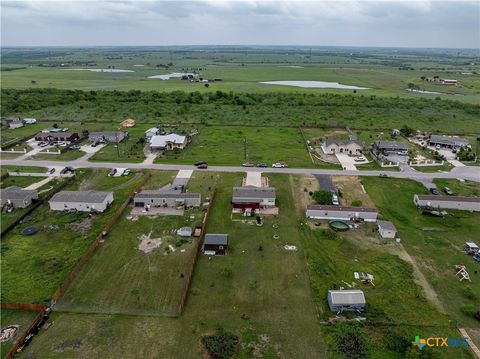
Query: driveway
[[90, 151], [325, 182], [348, 162]]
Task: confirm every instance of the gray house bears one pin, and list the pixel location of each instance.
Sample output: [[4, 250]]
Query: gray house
[[113, 136], [84, 201], [18, 197], [390, 148], [447, 141], [252, 198], [166, 198], [352, 147], [13, 122], [318, 211], [386, 229], [346, 300], [447, 202]]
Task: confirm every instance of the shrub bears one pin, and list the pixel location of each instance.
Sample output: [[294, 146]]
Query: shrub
[[469, 293], [227, 272], [330, 234], [468, 309], [396, 343], [322, 197], [352, 341], [356, 203], [221, 345]]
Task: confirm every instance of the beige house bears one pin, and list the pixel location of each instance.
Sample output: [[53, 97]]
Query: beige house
[[351, 147], [168, 142]]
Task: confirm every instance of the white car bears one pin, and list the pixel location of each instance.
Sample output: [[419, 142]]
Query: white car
[[62, 143], [279, 165], [359, 159]]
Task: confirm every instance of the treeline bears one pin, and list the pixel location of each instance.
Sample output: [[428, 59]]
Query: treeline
[[34, 99]]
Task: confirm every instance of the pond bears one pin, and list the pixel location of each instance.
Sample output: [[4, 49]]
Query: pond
[[100, 70], [171, 75], [314, 84]]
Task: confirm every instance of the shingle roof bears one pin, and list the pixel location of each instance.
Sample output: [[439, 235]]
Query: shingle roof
[[346, 297], [322, 207], [162, 140], [447, 140], [390, 145], [17, 193], [165, 194], [107, 133], [428, 197], [80, 196], [389, 226], [342, 142], [55, 134], [254, 192], [220, 239]]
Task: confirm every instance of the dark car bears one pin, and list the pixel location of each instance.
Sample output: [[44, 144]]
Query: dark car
[[262, 165], [113, 172], [51, 170], [199, 163], [383, 175], [434, 191], [202, 166]]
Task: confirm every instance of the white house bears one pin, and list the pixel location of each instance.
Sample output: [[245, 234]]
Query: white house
[[386, 229], [30, 121], [329, 212], [447, 202], [151, 132], [352, 147], [84, 201], [168, 142], [346, 300]]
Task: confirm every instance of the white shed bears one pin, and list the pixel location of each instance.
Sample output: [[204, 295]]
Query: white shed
[[386, 229]]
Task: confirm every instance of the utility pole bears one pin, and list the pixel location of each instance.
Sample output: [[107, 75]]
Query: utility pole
[[116, 140], [245, 149]]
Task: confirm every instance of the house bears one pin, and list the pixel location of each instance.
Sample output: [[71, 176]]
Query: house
[[154, 131], [390, 148], [185, 232], [447, 202], [447, 141], [250, 198], [57, 137], [386, 229], [84, 201], [215, 244], [168, 142], [166, 198], [317, 211], [18, 197], [351, 147], [113, 136], [13, 122], [30, 121], [346, 300]]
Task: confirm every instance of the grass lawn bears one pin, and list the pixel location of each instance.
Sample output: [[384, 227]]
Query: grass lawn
[[32, 169], [226, 146], [14, 317], [34, 266], [465, 188], [436, 244], [446, 167], [68, 155], [20, 181], [129, 150]]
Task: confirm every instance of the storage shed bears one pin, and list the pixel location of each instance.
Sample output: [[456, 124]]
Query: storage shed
[[346, 300], [386, 229], [215, 244]]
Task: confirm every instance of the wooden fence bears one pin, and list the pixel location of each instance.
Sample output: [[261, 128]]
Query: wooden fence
[[28, 307]]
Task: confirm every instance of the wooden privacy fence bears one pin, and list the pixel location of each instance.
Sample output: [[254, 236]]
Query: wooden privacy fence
[[92, 249], [28, 307], [189, 276]]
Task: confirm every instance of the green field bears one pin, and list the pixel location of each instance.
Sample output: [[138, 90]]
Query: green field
[[14, 317]]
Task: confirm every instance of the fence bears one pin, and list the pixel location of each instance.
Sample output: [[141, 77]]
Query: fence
[[14, 142], [93, 248], [14, 151], [189, 276], [426, 163], [28, 307]]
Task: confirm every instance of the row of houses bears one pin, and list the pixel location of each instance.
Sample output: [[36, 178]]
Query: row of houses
[[15, 122]]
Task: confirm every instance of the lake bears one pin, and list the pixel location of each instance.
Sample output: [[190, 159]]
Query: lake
[[315, 84], [100, 70], [170, 76]]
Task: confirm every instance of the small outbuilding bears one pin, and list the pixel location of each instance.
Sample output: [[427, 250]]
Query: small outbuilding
[[386, 229], [185, 232], [346, 300], [215, 244], [471, 248]]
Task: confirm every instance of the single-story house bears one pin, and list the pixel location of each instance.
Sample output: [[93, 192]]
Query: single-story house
[[449, 81], [57, 137], [166, 198], [390, 148], [168, 142], [447, 202], [30, 121], [352, 147], [319, 211], [215, 244], [447, 141], [18, 197], [13, 122], [346, 300], [84, 201], [386, 229], [151, 132], [185, 232], [250, 198], [113, 136]]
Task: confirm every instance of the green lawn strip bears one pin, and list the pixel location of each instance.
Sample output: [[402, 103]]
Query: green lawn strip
[[34, 266], [435, 243], [459, 188], [20, 181], [19, 168], [14, 317]]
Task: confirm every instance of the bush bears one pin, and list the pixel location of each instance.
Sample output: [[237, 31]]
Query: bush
[[396, 343], [468, 309], [330, 234], [352, 341], [221, 345], [322, 197], [356, 203], [469, 293]]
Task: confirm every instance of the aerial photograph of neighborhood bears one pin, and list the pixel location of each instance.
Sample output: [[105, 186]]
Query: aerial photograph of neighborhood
[[240, 179]]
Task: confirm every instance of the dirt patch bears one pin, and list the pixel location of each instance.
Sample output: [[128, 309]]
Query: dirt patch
[[83, 226], [8, 333], [148, 244], [351, 189], [299, 184]]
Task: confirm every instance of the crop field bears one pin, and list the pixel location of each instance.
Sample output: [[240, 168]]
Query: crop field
[[436, 244], [121, 278], [34, 266]]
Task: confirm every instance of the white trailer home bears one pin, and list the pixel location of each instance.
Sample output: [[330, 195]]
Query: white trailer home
[[329, 212], [447, 202], [84, 201]]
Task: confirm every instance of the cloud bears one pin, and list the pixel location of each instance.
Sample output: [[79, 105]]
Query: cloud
[[419, 23]]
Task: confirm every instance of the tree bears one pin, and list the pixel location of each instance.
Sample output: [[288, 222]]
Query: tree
[[322, 197], [406, 131], [221, 345], [351, 341]]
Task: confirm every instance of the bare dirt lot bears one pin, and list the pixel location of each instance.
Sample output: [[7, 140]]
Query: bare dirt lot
[[351, 190]]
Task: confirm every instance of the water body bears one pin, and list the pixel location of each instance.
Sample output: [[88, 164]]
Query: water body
[[100, 70], [423, 91], [315, 84], [292, 66], [170, 76]]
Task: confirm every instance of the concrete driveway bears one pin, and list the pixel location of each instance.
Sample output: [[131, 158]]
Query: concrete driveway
[[348, 162]]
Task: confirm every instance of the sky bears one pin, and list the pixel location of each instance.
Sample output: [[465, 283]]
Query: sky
[[413, 23]]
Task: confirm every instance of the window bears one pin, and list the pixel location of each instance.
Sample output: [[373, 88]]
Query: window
[[220, 247]]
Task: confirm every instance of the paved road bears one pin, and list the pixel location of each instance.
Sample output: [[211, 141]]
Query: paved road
[[471, 173]]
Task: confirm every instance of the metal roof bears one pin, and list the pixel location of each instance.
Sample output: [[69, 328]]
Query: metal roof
[[434, 198], [448, 140], [390, 145], [55, 134], [253, 192], [220, 239], [321, 207], [107, 133], [346, 297], [164, 194], [343, 142], [81, 196], [17, 193], [386, 225], [162, 140]]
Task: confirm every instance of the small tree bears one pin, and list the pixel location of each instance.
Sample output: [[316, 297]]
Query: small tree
[[322, 197], [406, 131], [351, 341], [221, 345]]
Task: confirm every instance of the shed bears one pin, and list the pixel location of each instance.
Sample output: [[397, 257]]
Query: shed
[[471, 248], [346, 300], [215, 244], [386, 229], [185, 232]]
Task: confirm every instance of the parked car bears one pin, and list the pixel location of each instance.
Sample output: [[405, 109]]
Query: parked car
[[198, 163], [51, 170], [248, 164], [112, 172], [202, 166], [448, 191], [335, 200], [62, 143], [434, 191], [279, 165], [359, 159], [94, 144], [43, 144], [262, 165], [74, 147], [126, 172], [383, 175]]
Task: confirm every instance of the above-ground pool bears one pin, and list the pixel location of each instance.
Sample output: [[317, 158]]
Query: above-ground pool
[[339, 225]]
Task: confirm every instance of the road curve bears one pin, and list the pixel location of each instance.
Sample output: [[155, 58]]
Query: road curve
[[471, 173]]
